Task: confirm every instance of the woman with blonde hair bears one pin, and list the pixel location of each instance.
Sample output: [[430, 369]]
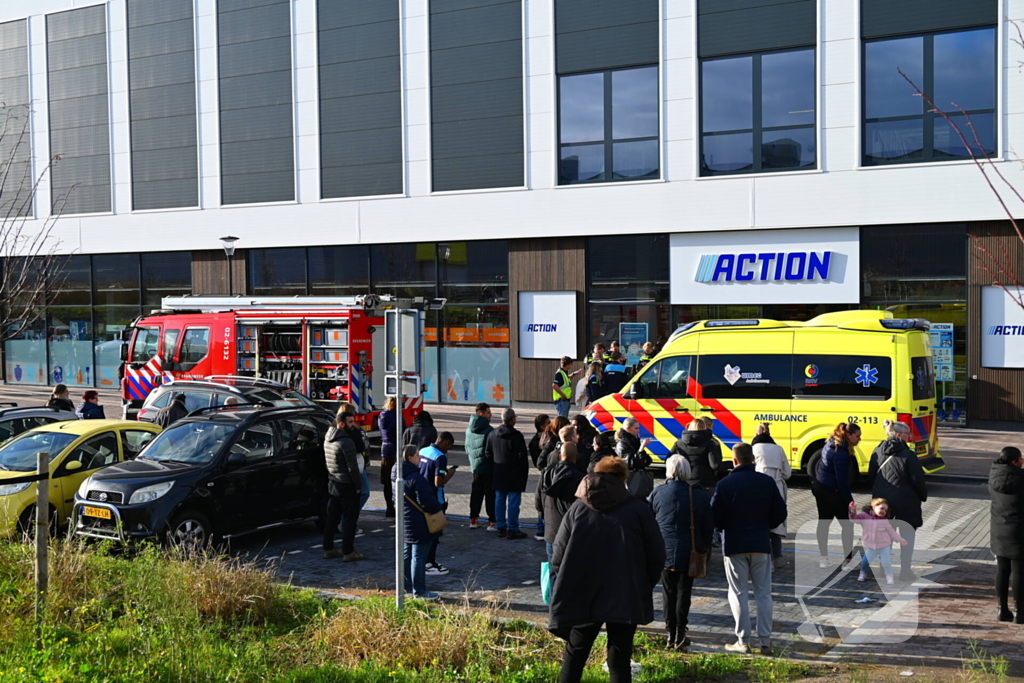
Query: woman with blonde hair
[[770, 459], [899, 478], [595, 382]]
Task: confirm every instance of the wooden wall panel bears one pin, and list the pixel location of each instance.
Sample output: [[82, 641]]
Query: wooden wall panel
[[996, 394], [547, 264], [210, 272]]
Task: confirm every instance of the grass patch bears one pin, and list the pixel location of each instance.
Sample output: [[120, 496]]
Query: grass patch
[[158, 616]]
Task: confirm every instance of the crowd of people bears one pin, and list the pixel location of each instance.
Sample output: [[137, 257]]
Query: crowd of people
[[88, 409]]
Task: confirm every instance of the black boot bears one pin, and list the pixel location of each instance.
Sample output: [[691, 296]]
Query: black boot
[[1005, 614], [670, 640], [1020, 615], [682, 641]]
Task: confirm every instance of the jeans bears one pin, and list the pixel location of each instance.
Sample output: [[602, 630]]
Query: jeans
[[755, 568], [562, 407], [550, 550], [481, 493], [342, 507], [580, 639], [1009, 576], [540, 525], [678, 588], [885, 554], [416, 567], [832, 506], [506, 509], [365, 494]]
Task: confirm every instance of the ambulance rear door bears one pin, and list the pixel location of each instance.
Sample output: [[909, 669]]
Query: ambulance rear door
[[744, 378]]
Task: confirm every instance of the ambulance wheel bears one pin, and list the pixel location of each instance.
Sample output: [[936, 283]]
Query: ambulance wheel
[[812, 463]]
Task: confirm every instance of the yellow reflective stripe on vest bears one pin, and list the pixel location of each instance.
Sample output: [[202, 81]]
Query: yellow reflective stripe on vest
[[557, 394]]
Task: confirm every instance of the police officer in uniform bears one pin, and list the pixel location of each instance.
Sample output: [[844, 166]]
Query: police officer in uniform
[[598, 356], [646, 358], [612, 350], [561, 387], [614, 375]]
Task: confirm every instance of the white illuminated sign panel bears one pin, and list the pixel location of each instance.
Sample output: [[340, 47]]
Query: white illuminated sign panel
[[1002, 328], [547, 325], [766, 267]]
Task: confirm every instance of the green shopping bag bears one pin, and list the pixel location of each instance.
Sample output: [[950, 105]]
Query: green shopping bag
[[546, 582]]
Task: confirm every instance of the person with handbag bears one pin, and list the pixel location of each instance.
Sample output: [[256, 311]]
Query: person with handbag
[[607, 559], [770, 459], [436, 471], [421, 505], [747, 506], [897, 476], [683, 511], [630, 448]]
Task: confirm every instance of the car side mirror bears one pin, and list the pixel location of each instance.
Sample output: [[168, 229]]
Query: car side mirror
[[73, 465], [124, 351], [236, 459]]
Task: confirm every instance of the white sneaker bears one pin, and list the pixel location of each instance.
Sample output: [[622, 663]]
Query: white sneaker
[[436, 569], [492, 527], [538, 537], [738, 646], [823, 562], [889, 579], [863, 576]]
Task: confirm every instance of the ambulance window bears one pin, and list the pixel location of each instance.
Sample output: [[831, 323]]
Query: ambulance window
[[675, 376], [739, 375], [861, 377], [146, 340], [194, 347], [647, 383], [924, 378]]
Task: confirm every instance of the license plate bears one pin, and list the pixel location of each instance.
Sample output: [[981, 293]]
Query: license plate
[[103, 513]]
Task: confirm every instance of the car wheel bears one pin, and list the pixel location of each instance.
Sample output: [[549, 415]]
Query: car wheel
[[27, 522], [812, 463], [190, 529]]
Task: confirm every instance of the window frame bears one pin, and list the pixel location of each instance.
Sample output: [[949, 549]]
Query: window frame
[[179, 356], [927, 86], [757, 130], [609, 141]]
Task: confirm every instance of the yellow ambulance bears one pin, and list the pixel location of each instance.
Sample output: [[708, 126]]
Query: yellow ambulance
[[803, 378]]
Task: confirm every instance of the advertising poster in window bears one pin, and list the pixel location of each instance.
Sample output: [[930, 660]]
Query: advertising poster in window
[[942, 351], [632, 337], [1002, 327], [547, 325], [474, 374]]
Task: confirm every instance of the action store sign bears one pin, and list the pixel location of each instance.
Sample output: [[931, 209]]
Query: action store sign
[[766, 267], [547, 325], [1002, 327]]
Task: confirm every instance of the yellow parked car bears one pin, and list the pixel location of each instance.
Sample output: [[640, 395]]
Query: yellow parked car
[[77, 448]]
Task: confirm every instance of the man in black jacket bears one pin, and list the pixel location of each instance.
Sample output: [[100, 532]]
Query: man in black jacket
[[343, 489], [506, 449], [165, 417], [422, 433], [746, 507], [558, 484]]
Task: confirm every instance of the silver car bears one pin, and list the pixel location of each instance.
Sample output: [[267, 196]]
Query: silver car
[[15, 420]]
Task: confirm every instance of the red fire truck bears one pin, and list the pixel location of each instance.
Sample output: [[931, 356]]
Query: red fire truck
[[324, 347]]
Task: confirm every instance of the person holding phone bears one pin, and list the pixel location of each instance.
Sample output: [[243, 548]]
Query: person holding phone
[[632, 449], [435, 469]]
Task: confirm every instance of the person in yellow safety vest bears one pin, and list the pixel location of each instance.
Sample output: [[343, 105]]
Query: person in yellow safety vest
[[561, 386], [598, 356], [613, 348]]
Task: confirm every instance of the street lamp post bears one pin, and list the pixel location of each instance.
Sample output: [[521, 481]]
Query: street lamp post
[[229, 250]]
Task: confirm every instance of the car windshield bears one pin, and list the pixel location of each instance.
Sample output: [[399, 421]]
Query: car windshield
[[19, 455], [295, 397], [282, 399], [195, 443]]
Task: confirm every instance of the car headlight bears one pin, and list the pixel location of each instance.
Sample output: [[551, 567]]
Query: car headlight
[[83, 490], [150, 493], [11, 489]]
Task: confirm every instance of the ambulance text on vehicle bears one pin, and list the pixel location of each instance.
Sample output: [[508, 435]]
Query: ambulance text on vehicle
[[803, 378]]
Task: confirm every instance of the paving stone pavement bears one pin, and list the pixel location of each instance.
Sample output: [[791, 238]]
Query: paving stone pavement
[[955, 605]]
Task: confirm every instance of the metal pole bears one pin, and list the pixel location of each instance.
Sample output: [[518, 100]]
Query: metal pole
[[42, 539], [231, 278], [400, 464]]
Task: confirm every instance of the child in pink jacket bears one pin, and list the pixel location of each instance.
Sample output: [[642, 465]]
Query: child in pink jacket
[[877, 537]]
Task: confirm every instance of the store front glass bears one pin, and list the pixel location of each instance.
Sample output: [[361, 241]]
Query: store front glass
[[628, 291]]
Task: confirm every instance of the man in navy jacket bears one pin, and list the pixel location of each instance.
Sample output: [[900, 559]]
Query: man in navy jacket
[[747, 506]]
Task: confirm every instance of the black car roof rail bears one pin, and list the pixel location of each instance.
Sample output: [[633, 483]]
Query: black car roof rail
[[10, 404], [240, 379], [15, 409]]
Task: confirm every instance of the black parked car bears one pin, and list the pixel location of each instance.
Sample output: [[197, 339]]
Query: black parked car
[[221, 472]]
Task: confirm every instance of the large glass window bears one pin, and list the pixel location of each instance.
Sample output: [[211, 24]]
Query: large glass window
[[741, 375], [954, 70], [115, 279], [758, 113], [339, 270], [70, 338], [405, 270], [165, 274], [608, 126], [278, 271], [474, 272]]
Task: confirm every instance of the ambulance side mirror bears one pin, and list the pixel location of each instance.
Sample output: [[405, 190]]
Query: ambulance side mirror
[[635, 391]]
